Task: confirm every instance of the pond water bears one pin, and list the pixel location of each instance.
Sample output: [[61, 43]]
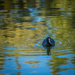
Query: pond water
[[24, 24]]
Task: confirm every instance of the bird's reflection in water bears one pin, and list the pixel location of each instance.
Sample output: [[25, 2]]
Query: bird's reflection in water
[[48, 51]]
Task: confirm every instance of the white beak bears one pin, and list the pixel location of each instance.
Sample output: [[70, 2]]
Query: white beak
[[49, 40]]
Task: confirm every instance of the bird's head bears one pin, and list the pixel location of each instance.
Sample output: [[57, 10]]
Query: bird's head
[[50, 41]]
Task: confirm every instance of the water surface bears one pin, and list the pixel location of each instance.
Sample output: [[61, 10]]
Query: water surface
[[24, 24]]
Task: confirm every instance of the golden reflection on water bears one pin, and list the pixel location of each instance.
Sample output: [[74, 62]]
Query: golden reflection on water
[[23, 26]]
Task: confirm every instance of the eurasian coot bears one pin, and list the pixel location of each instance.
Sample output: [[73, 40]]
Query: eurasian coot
[[48, 43]]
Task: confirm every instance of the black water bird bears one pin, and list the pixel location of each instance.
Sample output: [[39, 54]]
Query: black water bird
[[48, 43]]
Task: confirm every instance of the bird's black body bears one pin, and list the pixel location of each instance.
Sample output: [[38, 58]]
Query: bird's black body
[[48, 43]]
